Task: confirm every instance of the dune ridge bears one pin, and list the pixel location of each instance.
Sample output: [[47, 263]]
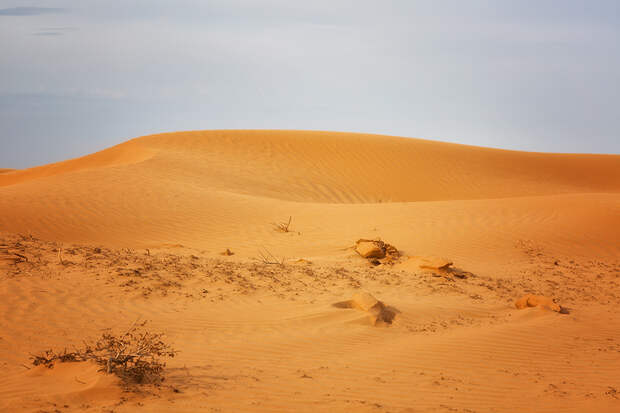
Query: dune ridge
[[347, 168]]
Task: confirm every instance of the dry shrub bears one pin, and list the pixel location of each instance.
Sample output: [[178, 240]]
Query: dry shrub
[[135, 356]]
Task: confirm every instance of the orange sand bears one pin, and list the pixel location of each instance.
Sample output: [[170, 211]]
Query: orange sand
[[264, 337]]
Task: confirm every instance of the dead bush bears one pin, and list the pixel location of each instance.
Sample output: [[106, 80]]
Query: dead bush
[[135, 356]]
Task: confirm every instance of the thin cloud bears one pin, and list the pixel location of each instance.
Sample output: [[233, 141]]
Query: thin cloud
[[59, 29], [48, 34], [30, 11], [54, 31]]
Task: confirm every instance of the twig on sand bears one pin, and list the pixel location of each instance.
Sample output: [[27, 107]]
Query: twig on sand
[[23, 257], [283, 226], [60, 255]]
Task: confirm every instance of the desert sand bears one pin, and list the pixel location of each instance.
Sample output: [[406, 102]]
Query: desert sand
[[143, 227]]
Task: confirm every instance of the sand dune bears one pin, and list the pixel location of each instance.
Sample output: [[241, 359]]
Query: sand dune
[[223, 188], [143, 225], [343, 168]]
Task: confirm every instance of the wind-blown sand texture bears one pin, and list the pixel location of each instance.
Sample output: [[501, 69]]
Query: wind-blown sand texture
[[143, 225]]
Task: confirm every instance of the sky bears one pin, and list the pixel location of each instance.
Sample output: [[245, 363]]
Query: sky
[[79, 76]]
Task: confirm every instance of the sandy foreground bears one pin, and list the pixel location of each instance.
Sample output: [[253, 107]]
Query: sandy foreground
[[142, 227]]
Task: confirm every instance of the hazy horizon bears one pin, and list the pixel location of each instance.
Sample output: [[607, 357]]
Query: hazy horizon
[[77, 78]]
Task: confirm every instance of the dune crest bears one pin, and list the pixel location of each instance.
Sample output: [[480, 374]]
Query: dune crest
[[332, 167], [126, 153]]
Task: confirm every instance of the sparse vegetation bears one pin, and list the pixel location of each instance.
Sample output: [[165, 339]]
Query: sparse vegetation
[[135, 356]]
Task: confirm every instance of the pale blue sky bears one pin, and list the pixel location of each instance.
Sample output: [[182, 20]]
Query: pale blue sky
[[79, 76]]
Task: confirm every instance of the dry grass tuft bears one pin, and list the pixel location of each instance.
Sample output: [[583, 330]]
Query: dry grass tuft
[[266, 257], [283, 226]]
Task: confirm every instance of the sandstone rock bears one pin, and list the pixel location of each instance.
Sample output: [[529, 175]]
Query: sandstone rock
[[370, 249], [531, 300], [378, 312], [435, 263], [365, 301]]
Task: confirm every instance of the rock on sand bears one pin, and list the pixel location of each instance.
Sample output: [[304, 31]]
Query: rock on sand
[[531, 300], [370, 249]]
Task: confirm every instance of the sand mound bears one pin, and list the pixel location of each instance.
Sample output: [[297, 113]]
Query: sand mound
[[531, 300], [64, 384], [377, 311]]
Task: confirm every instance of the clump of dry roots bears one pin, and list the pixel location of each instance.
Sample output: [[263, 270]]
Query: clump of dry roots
[[135, 356]]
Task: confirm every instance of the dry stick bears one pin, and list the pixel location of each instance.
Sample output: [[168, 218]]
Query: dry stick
[[60, 255], [21, 256]]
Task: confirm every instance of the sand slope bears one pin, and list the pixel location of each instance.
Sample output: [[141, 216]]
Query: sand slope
[[343, 168], [263, 337], [224, 188]]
